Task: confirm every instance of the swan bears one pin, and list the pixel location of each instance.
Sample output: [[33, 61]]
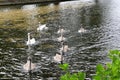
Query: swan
[[64, 48], [42, 27], [58, 58], [61, 38], [29, 65], [82, 30], [60, 30], [30, 41]]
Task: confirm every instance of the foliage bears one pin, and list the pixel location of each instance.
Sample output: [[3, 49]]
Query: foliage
[[112, 70], [64, 66], [69, 76]]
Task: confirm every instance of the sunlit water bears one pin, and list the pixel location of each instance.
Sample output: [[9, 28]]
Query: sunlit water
[[100, 18]]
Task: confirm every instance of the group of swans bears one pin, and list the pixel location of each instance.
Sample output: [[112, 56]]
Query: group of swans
[[63, 49], [61, 31], [58, 57], [31, 41], [44, 27]]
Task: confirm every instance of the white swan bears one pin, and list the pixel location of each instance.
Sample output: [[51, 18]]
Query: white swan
[[60, 30], [61, 38], [29, 65], [42, 27], [30, 41], [58, 58], [82, 30], [64, 48]]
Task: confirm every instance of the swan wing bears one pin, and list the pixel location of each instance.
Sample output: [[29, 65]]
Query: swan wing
[[38, 29], [42, 27], [57, 59], [26, 67], [32, 41], [46, 28], [61, 31], [27, 43], [33, 66], [61, 39]]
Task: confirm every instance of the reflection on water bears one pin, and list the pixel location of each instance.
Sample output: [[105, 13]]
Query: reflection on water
[[100, 18], [31, 12]]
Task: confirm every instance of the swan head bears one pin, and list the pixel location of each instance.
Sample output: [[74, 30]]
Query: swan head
[[59, 27], [29, 58], [28, 33]]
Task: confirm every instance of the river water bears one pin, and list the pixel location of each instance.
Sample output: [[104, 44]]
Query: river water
[[100, 18]]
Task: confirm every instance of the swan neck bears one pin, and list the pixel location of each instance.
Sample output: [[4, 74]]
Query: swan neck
[[62, 35], [29, 37], [29, 63], [39, 24]]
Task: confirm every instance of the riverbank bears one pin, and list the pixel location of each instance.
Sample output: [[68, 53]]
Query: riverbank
[[17, 2]]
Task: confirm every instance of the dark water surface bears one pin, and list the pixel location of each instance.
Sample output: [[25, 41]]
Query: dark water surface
[[99, 17]]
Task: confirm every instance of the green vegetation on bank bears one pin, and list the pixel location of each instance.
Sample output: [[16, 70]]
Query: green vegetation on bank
[[112, 70], [109, 72], [71, 76]]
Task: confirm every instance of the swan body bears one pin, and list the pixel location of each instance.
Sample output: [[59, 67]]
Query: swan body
[[64, 48], [42, 27], [61, 38], [30, 41], [61, 31], [29, 65], [82, 30], [58, 58]]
